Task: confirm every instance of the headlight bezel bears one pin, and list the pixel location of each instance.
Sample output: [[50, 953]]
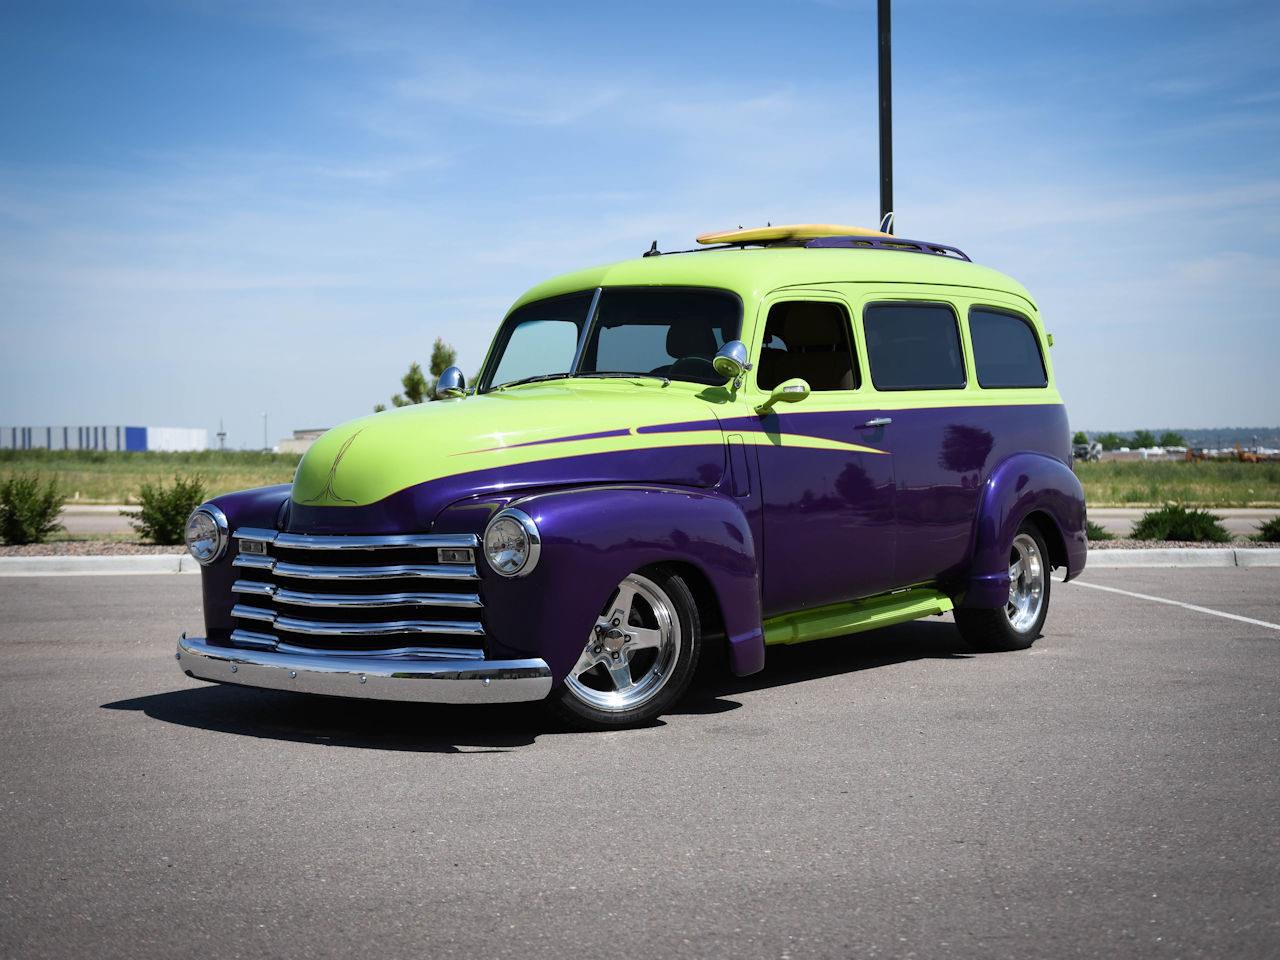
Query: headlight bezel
[[533, 540], [221, 530]]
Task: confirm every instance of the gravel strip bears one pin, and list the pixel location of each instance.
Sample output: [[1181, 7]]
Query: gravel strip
[[1122, 543], [87, 548]]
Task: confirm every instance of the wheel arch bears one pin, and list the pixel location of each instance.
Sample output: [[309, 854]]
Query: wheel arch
[[710, 611], [1025, 486], [1051, 533]]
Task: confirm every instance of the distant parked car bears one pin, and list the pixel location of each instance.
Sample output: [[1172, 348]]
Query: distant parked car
[[1087, 451]]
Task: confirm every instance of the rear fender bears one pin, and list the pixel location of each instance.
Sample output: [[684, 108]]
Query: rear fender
[[1022, 485]]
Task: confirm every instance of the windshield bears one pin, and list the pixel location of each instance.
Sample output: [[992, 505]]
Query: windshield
[[664, 332]]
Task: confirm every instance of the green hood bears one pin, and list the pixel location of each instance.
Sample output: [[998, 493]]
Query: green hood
[[366, 460]]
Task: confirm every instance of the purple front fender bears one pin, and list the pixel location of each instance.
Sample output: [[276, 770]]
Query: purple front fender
[[1025, 485], [259, 507], [593, 537]]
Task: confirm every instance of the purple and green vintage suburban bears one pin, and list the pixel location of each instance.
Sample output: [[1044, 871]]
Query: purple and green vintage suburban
[[761, 442]]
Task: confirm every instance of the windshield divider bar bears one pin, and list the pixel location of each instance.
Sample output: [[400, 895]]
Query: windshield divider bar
[[586, 332]]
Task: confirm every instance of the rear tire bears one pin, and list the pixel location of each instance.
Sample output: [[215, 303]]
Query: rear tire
[[639, 657], [1017, 624]]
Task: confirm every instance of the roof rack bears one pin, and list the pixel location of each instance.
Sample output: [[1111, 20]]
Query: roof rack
[[890, 243]]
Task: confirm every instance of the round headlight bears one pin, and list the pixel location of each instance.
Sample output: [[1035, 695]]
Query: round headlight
[[206, 533], [512, 543]]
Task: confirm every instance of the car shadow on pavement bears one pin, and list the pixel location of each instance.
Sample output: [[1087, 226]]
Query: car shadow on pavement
[[331, 721], [439, 728], [798, 663]]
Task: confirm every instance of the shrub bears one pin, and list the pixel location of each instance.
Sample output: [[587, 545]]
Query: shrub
[[1097, 532], [1176, 522], [28, 511], [164, 510], [1269, 532]]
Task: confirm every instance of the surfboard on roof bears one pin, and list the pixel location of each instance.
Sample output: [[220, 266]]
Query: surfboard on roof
[[787, 231]]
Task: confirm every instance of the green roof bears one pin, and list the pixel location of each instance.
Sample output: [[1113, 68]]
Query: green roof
[[755, 272]]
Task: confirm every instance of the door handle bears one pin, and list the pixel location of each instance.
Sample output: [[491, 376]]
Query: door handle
[[879, 422]]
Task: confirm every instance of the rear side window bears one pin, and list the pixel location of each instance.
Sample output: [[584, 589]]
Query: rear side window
[[1006, 352], [913, 346]]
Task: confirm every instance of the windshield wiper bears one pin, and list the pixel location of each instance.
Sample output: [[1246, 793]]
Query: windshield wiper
[[619, 374], [610, 374], [538, 379]]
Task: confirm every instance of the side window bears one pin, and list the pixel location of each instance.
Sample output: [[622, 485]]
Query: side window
[[1006, 352], [809, 339], [913, 346]]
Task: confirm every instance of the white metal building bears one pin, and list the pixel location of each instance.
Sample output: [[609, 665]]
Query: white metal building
[[139, 439]]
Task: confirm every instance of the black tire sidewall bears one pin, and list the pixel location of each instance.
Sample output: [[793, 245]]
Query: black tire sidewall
[[1030, 636], [990, 629]]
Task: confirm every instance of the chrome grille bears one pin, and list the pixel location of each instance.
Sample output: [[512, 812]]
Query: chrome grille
[[357, 594]]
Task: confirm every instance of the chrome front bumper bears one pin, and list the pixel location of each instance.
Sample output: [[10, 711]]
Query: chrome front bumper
[[372, 678]]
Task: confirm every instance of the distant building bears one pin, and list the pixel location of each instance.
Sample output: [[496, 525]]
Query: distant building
[[301, 440], [112, 438]]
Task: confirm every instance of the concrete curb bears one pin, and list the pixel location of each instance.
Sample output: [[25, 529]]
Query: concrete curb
[[147, 563], [154, 563], [1183, 557]]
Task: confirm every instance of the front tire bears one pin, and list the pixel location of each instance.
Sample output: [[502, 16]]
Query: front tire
[[639, 657], [1017, 624]]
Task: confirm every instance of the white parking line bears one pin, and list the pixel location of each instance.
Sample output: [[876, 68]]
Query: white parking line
[[1179, 603]]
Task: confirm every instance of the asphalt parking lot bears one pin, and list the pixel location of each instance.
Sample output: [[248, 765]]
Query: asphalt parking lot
[[1112, 792]]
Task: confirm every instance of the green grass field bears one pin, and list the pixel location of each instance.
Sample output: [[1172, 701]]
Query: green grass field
[[100, 477], [116, 477], [1118, 483]]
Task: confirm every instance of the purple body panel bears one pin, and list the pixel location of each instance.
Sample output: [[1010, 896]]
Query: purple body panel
[[770, 528], [259, 507], [593, 537], [416, 507], [829, 530], [941, 459]]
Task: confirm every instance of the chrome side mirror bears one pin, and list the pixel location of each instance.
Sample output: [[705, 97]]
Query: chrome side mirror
[[731, 362], [451, 385], [788, 391]]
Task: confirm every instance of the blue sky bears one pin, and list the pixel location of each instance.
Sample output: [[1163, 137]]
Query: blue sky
[[210, 210]]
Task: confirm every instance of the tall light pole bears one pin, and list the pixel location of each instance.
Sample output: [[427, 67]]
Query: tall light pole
[[886, 117]]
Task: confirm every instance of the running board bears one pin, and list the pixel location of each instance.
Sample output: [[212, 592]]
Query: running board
[[840, 619]]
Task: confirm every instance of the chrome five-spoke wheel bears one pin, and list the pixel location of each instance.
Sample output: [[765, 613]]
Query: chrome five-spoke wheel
[[639, 654], [1027, 575]]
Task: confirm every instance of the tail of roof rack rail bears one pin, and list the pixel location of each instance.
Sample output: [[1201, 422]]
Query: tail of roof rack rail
[[889, 243]]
